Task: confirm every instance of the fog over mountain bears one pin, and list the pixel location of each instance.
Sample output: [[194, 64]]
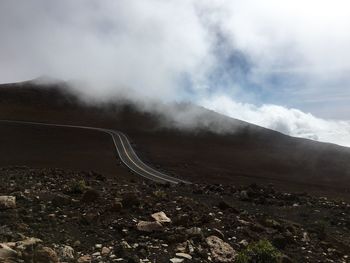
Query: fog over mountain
[[279, 64]]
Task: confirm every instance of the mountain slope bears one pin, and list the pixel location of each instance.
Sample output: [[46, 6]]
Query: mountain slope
[[246, 154]]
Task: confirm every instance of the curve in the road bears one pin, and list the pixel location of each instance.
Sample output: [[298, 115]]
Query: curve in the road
[[125, 151]]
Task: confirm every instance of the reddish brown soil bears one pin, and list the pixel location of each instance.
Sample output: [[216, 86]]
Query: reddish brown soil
[[251, 154]]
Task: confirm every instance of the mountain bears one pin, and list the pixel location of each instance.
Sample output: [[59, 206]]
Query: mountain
[[218, 150]]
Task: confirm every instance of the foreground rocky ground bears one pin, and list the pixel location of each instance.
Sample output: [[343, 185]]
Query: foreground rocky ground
[[64, 216]]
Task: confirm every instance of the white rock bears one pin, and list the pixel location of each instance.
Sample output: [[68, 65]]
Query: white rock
[[161, 217], [177, 260], [183, 255], [96, 254], [105, 251]]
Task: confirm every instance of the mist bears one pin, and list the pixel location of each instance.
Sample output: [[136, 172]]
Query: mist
[[280, 65]]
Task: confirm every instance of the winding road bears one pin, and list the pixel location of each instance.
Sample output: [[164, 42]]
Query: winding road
[[125, 151]]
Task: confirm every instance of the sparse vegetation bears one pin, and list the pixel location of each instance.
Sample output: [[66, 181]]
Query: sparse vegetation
[[260, 252]]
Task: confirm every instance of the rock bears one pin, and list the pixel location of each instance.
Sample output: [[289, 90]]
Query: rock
[[7, 254], [7, 202], [161, 217], [177, 260], [184, 255], [186, 246], [90, 196], [84, 259], [45, 255], [105, 251], [28, 243], [66, 253], [306, 237], [146, 226], [125, 245], [96, 254], [220, 250], [194, 232], [244, 243]]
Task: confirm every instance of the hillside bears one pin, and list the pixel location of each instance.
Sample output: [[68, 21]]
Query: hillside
[[247, 154]]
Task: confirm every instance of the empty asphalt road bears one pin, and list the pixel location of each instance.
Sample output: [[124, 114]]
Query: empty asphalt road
[[125, 151]]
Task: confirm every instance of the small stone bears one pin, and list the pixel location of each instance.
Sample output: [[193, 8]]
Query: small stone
[[84, 259], [146, 226], [194, 231], [177, 260], [125, 245], [161, 217], [7, 202], [183, 255], [244, 243], [96, 254], [98, 246], [105, 251], [306, 237]]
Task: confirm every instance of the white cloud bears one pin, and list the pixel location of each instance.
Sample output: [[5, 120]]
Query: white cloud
[[143, 45], [168, 50], [288, 121]]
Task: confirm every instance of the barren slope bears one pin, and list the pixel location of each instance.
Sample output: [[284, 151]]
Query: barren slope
[[251, 154]]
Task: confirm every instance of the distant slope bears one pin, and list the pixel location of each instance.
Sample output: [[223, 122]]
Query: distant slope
[[249, 154]]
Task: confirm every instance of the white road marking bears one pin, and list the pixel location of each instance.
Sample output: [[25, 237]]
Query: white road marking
[[112, 133]]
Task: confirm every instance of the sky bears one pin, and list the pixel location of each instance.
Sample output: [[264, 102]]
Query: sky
[[283, 65]]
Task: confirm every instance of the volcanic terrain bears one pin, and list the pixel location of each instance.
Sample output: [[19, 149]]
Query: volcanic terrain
[[242, 154]]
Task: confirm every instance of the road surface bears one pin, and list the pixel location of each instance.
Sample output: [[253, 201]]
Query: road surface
[[125, 151]]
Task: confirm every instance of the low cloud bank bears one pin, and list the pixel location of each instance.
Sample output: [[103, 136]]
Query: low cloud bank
[[288, 121], [177, 50]]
